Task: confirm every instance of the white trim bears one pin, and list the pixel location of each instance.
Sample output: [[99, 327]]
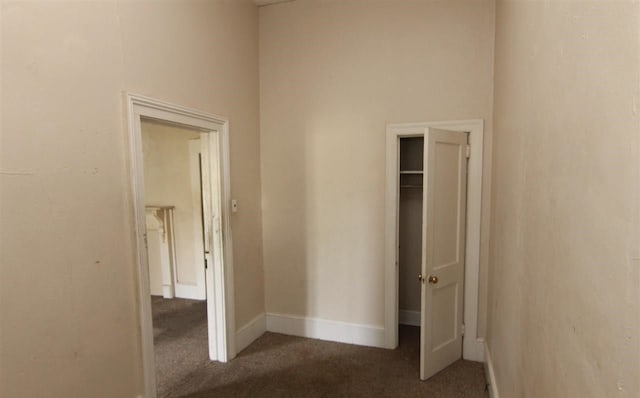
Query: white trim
[[251, 331], [172, 248], [227, 241], [138, 106], [167, 292], [264, 3], [323, 329], [411, 318], [196, 288], [472, 347], [190, 292], [489, 373]]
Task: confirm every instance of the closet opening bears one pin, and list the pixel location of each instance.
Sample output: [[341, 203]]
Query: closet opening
[[433, 179], [410, 243], [432, 218]]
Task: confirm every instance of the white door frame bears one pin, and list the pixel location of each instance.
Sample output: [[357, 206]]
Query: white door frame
[[473, 347], [223, 323]]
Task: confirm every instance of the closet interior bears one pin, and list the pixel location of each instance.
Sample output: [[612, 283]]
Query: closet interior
[[410, 230]]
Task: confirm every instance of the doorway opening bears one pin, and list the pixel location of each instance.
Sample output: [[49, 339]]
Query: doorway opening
[[433, 210], [410, 192], [431, 234], [179, 160], [177, 251]]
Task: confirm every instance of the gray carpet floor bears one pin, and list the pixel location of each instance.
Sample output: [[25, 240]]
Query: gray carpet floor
[[276, 365]]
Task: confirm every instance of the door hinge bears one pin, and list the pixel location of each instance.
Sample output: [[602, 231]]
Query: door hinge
[[462, 330], [146, 243], [206, 263], [468, 151]]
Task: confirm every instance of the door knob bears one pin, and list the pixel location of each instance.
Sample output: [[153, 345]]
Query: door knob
[[433, 279], [421, 278]]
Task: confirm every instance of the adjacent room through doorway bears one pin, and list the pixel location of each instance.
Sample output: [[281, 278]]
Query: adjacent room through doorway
[[180, 178], [172, 159]]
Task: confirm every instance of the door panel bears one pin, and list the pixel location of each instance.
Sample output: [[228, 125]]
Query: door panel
[[445, 248], [207, 227], [444, 205], [214, 275]]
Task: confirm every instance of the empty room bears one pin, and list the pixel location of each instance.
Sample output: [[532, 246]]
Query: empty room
[[319, 198]]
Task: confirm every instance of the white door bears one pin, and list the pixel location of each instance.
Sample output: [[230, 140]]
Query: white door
[[194, 289], [443, 242], [213, 244]]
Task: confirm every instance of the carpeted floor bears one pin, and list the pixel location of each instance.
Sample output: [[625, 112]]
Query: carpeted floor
[[276, 365]]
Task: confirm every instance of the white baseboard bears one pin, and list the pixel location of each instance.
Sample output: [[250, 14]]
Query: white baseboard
[[248, 333], [489, 373], [473, 349], [322, 329], [167, 291], [407, 317], [189, 292]]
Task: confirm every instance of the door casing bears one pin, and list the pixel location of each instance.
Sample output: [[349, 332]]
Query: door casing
[[219, 277], [473, 346]]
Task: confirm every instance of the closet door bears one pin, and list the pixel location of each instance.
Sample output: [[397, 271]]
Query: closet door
[[443, 242]]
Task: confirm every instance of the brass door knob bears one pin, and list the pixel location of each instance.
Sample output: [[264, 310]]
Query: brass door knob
[[433, 279], [421, 278]]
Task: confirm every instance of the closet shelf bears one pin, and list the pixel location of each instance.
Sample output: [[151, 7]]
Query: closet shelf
[[410, 171]]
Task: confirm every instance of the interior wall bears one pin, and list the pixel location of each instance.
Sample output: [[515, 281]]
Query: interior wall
[[67, 232], [565, 240], [167, 182], [333, 74]]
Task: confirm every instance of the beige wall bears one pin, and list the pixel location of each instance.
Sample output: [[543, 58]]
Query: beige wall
[[66, 221], [332, 75], [168, 182], [565, 243]]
